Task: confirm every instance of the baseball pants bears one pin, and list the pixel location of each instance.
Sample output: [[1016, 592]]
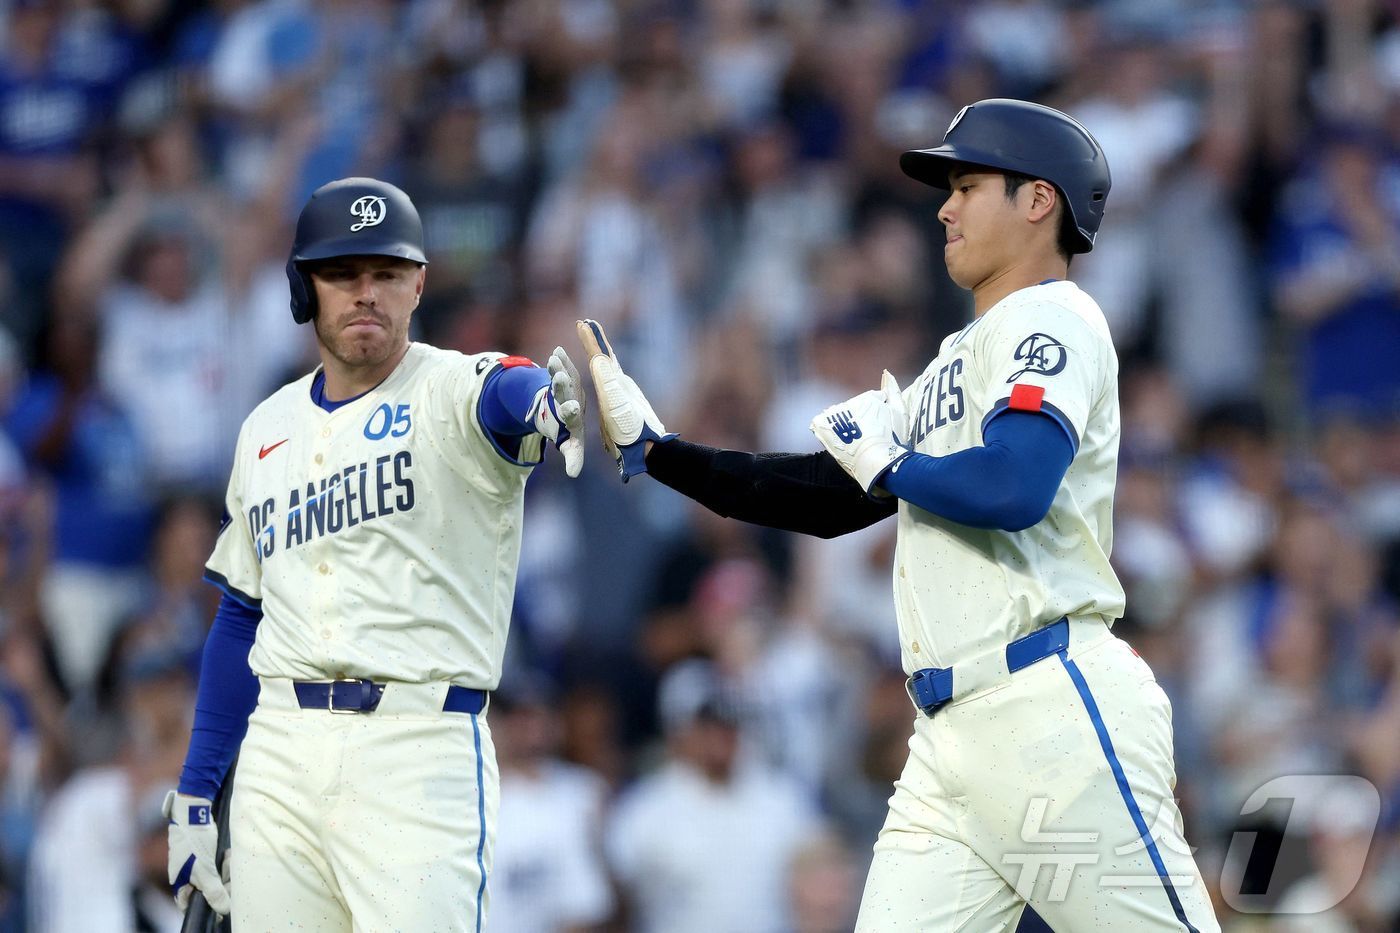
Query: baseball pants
[[1052, 786], [363, 822]]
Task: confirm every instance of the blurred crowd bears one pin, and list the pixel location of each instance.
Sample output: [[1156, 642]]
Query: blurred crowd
[[701, 721]]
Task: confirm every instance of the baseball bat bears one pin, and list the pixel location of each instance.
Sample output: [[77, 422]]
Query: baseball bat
[[199, 916]]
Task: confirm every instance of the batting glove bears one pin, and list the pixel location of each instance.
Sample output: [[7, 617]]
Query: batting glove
[[193, 840], [557, 411], [865, 434], [625, 415]]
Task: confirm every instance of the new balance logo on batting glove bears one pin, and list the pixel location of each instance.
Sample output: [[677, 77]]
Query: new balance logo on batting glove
[[624, 414], [864, 433], [844, 426]]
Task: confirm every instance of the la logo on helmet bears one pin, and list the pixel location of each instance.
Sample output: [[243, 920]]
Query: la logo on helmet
[[371, 210], [956, 120]]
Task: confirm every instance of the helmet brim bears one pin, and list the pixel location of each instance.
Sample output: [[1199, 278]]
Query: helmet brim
[[357, 246], [932, 166]]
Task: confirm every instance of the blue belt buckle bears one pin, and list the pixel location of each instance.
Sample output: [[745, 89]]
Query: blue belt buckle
[[930, 689], [350, 696], [347, 695]]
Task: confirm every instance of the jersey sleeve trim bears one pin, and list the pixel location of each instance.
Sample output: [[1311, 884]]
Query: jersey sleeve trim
[[233, 592], [487, 432], [1045, 408]]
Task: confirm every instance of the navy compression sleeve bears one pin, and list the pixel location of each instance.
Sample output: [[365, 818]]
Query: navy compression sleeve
[[507, 396], [228, 691], [806, 493], [1008, 483]]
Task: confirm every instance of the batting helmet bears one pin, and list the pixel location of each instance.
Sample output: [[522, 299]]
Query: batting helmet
[[351, 217], [1027, 139]]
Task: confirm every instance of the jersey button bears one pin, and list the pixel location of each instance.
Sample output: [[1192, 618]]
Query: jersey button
[[324, 568], [901, 571], [914, 647], [319, 459]]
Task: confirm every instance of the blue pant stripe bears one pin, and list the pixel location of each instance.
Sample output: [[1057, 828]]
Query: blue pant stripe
[[481, 813], [1143, 832]]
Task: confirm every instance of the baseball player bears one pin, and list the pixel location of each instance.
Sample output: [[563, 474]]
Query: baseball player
[[368, 563], [1040, 769]]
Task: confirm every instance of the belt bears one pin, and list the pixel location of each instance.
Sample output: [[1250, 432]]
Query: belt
[[363, 696], [932, 688]]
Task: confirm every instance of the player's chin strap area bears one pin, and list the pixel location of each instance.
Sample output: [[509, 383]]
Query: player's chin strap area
[[364, 696], [933, 688]]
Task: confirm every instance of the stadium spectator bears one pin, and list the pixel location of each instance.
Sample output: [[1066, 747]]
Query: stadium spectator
[[1335, 272], [98, 823], [705, 842], [82, 441], [548, 873], [49, 118]]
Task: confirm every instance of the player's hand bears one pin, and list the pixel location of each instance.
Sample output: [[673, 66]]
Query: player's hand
[[557, 411], [193, 839], [624, 414], [867, 434]]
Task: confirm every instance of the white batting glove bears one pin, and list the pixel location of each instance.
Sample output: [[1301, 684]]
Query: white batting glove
[[866, 433], [193, 840], [557, 411], [624, 414]]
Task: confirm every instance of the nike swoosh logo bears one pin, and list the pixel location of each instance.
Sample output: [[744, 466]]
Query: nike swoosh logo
[[264, 451]]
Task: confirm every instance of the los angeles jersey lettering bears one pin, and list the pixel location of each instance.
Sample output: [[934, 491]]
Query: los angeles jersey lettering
[[1043, 349], [359, 493], [362, 535]]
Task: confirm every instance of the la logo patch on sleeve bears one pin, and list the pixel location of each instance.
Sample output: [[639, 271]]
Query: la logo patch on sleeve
[[1040, 354]]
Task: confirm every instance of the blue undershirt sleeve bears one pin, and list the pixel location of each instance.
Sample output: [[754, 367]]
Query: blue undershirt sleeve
[[1007, 484], [228, 691], [507, 396]]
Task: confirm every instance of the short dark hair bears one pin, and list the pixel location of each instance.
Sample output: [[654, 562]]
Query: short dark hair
[[1068, 233]]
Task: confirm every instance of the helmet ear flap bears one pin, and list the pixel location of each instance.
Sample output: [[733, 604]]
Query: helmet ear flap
[[303, 293]]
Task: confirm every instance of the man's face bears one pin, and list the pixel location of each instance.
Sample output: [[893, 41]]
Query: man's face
[[983, 226], [166, 270], [711, 745], [365, 303], [529, 734]]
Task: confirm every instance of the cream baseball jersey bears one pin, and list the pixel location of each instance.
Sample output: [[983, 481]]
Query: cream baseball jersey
[[962, 591], [381, 539]]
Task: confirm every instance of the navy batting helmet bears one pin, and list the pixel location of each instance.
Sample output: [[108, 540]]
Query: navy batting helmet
[[351, 217], [1027, 139]]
